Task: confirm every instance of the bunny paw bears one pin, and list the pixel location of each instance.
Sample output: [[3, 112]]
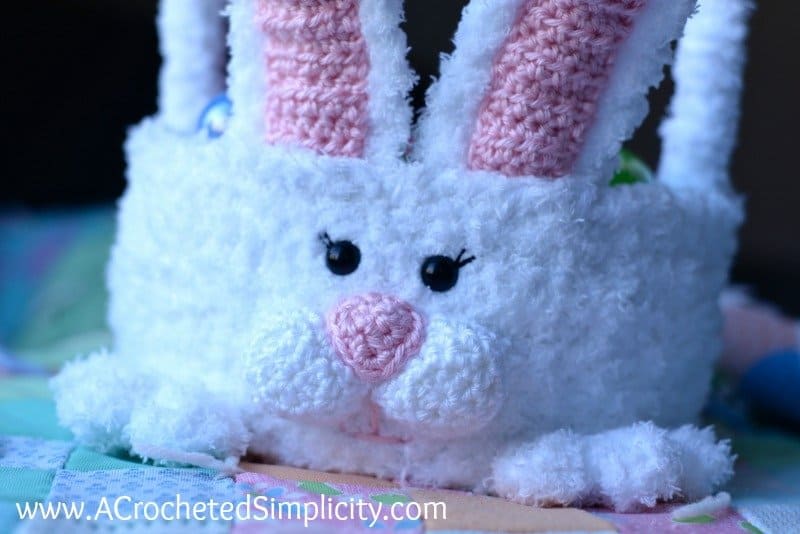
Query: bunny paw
[[109, 405], [547, 472], [188, 424], [641, 465], [94, 398], [707, 463], [626, 468], [633, 466]]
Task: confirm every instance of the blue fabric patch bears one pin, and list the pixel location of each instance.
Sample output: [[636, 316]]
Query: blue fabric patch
[[773, 385], [33, 453], [100, 491], [8, 516]]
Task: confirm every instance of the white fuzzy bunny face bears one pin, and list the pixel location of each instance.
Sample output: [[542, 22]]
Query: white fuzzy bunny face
[[486, 281], [371, 315], [381, 334]]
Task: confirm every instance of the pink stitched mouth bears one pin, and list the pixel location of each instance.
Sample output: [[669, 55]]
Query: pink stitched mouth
[[374, 434]]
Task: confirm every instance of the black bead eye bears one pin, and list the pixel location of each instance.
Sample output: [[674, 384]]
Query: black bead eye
[[341, 257], [440, 273]]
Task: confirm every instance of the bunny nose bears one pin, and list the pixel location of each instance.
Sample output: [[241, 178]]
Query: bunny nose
[[375, 334]]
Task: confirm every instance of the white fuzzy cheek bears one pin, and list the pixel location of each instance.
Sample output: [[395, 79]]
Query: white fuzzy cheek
[[293, 372], [452, 388]]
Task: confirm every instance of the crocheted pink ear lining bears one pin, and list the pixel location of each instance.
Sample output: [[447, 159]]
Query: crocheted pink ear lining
[[546, 83], [317, 69]]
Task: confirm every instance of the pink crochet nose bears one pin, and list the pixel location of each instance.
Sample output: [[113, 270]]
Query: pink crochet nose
[[375, 334]]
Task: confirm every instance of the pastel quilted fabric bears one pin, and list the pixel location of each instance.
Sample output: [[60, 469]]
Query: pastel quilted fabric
[[726, 522], [31, 453], [145, 485], [773, 517], [768, 472]]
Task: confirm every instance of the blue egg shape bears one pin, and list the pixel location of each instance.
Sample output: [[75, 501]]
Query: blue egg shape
[[215, 117]]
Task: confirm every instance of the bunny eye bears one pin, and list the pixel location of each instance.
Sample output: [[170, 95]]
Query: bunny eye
[[341, 257], [440, 273]]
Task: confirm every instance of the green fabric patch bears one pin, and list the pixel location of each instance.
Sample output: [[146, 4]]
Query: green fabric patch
[[749, 527], [698, 520], [767, 449], [632, 170], [83, 459], [71, 299], [318, 487], [390, 498], [24, 387], [54, 355], [35, 418], [25, 485]]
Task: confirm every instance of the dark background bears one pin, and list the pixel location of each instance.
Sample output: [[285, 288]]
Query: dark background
[[79, 72]]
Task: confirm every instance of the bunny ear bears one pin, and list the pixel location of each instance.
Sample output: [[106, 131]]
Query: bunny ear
[[548, 87], [327, 75], [192, 37]]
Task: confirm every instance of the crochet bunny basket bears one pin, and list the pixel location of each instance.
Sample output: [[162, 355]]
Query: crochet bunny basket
[[476, 308]]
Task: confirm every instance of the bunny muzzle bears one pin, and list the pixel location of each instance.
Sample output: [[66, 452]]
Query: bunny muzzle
[[376, 368]]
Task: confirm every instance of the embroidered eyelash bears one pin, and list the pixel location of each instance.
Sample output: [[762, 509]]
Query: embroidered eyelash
[[326, 239], [461, 261]]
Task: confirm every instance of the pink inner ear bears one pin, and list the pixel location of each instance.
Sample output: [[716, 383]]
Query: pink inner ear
[[546, 83], [317, 71]]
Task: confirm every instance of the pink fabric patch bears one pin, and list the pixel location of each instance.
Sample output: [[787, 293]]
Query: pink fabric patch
[[375, 334], [546, 83], [317, 72], [752, 332]]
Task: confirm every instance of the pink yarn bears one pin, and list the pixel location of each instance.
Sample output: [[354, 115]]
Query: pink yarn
[[375, 334], [317, 71], [546, 83]]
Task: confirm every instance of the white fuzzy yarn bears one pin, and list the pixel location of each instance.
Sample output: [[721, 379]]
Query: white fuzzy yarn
[[192, 36], [588, 308], [700, 134]]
